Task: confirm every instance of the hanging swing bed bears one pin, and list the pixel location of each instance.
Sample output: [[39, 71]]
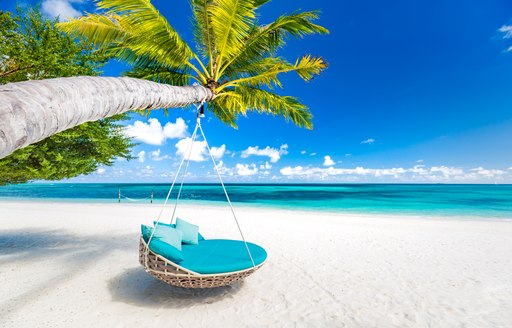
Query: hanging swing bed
[[178, 254]]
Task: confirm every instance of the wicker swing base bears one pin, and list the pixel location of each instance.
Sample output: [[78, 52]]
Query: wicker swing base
[[175, 275]]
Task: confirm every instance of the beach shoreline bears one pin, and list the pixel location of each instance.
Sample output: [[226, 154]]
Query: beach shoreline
[[75, 264]]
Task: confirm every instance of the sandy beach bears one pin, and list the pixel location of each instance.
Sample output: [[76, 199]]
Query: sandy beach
[[75, 265]]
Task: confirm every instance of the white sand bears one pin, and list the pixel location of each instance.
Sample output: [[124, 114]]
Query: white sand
[[70, 265]]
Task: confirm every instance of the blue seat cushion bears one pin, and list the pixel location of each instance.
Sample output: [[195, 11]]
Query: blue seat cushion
[[220, 256], [166, 250]]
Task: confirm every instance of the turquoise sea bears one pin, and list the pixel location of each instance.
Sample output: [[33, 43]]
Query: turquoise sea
[[414, 199]]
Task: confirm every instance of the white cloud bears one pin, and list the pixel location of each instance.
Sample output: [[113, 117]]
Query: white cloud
[[447, 171], [60, 8], [153, 133], [420, 161], [328, 161], [348, 155], [218, 152], [101, 170], [299, 170], [273, 154], [487, 173], [246, 169], [199, 150], [142, 156], [223, 170], [267, 166], [368, 141], [303, 152], [155, 155], [312, 154], [507, 31], [417, 173]]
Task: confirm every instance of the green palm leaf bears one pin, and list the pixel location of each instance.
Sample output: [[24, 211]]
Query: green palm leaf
[[267, 39], [232, 21], [306, 67], [262, 101]]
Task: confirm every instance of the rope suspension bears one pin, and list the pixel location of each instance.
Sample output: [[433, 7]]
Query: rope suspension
[[200, 114]]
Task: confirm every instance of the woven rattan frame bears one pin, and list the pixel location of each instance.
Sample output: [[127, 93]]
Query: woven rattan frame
[[176, 275]]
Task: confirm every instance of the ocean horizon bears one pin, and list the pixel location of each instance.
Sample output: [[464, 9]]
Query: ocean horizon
[[466, 200]]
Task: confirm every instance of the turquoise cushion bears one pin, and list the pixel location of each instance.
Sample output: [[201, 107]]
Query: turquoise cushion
[[189, 231], [221, 256], [146, 232], [169, 235], [164, 249], [199, 236]]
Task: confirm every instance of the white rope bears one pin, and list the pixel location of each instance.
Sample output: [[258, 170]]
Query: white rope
[[185, 171], [167, 199], [226, 193], [189, 150]]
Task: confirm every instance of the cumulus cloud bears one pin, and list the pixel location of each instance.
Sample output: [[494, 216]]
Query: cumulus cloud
[[101, 170], [223, 170], [368, 141], [487, 173], [447, 171], [299, 170], [155, 155], [328, 161], [267, 166], [141, 156], [303, 152], [153, 133], [61, 8], [218, 152], [246, 169], [272, 153], [416, 173], [199, 151], [312, 154]]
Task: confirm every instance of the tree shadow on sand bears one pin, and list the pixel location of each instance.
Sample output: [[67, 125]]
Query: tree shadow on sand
[[135, 286], [19, 248]]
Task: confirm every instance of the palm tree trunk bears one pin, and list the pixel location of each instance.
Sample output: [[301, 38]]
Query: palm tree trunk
[[31, 111]]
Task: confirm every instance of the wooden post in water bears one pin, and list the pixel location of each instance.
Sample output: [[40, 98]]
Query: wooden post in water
[[151, 197], [119, 195]]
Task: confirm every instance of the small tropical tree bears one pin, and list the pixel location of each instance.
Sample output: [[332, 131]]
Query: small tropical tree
[[236, 58], [32, 48]]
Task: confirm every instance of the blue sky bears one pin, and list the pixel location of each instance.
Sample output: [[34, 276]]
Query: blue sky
[[415, 92]]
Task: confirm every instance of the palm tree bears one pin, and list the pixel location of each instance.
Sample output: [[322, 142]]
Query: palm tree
[[236, 61], [236, 58], [31, 111]]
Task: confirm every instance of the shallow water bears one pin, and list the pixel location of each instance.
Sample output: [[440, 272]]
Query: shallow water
[[413, 199]]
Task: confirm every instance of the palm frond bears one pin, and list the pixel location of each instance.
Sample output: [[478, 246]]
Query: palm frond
[[306, 67], [267, 39], [263, 101], [203, 32], [226, 108], [232, 21], [101, 30]]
